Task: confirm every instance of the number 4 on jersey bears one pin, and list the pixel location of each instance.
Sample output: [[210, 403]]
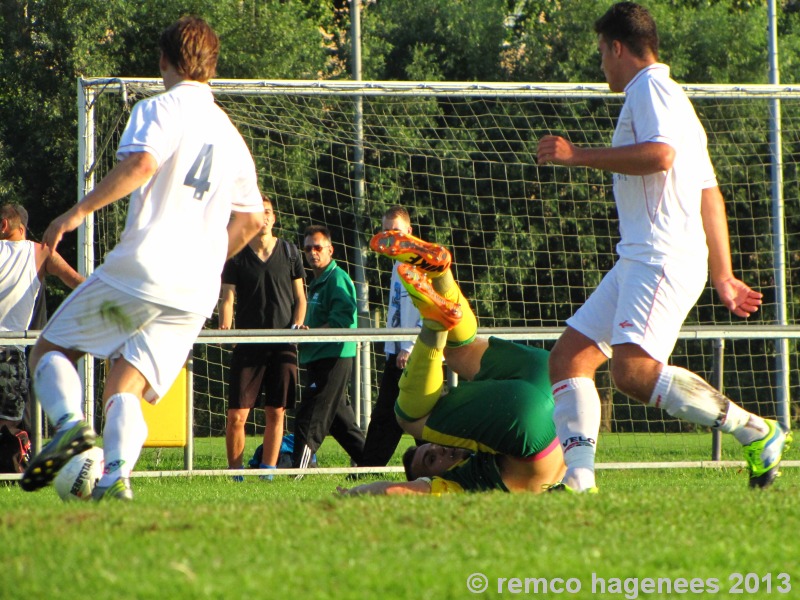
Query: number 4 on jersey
[[199, 172]]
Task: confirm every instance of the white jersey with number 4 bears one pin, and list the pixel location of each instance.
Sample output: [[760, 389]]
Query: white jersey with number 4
[[175, 240], [659, 214]]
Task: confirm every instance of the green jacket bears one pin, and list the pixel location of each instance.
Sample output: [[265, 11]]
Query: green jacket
[[331, 300]]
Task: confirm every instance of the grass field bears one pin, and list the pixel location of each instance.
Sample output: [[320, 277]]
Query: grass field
[[204, 537]]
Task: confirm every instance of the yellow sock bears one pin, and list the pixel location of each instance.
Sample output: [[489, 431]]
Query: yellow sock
[[463, 333], [422, 381]]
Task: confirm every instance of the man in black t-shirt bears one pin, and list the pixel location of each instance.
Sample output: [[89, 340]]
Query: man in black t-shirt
[[267, 280]]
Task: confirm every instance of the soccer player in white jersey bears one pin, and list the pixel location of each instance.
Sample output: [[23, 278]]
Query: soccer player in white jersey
[[194, 202], [672, 218]]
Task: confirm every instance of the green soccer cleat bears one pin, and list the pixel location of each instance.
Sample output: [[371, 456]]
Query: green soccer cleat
[[66, 443], [119, 490], [563, 487], [441, 314], [431, 258], [764, 456]]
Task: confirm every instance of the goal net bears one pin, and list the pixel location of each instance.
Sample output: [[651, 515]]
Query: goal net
[[529, 242]]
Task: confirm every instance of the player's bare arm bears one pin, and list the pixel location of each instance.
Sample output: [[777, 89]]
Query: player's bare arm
[[131, 173], [241, 229], [300, 302], [226, 306], [636, 159], [388, 488], [56, 265], [736, 295]]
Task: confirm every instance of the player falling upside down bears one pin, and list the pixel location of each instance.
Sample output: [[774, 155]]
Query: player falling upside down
[[495, 430]]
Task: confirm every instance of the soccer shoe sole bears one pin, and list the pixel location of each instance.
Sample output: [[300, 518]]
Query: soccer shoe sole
[[766, 479], [119, 490], [431, 258], [43, 467], [430, 304]]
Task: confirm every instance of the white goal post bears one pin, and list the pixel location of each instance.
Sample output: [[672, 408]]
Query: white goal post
[[529, 242]]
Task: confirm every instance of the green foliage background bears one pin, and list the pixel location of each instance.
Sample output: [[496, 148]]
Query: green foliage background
[[46, 44]]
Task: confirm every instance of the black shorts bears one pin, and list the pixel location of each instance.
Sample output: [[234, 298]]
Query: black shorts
[[13, 383], [269, 368]]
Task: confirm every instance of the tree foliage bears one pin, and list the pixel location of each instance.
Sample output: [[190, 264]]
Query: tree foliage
[[46, 44]]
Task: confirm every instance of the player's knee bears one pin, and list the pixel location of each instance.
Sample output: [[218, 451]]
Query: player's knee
[[274, 414], [237, 419]]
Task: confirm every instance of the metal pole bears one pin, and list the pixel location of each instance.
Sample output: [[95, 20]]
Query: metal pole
[[363, 389], [86, 158], [778, 220], [357, 378], [37, 425], [188, 450], [717, 377]]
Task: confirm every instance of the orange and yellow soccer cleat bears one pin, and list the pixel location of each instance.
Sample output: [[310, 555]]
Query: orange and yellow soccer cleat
[[431, 258], [432, 307]]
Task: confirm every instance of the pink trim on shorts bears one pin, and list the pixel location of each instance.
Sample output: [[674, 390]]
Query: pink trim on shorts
[[540, 455]]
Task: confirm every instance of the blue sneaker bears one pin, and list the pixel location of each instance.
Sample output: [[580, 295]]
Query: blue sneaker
[[65, 444], [764, 456], [266, 477]]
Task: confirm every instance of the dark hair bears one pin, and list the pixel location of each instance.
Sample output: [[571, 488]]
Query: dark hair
[[16, 215], [408, 458], [192, 47], [396, 211], [632, 25], [265, 198], [312, 229]]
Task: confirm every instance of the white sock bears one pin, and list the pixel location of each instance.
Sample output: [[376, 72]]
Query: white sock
[[577, 419], [123, 436], [686, 396], [58, 388]]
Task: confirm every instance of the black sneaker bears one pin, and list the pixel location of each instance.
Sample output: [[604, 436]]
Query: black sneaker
[[43, 467]]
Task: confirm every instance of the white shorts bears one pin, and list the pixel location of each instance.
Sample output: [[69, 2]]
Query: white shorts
[[108, 323], [640, 304]]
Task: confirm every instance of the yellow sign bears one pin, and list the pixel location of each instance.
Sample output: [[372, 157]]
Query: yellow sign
[[166, 421]]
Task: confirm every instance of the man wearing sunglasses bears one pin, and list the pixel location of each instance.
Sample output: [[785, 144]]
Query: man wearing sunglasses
[[324, 408]]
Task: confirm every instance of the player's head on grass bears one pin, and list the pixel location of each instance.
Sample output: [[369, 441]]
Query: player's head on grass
[[431, 460], [191, 46]]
